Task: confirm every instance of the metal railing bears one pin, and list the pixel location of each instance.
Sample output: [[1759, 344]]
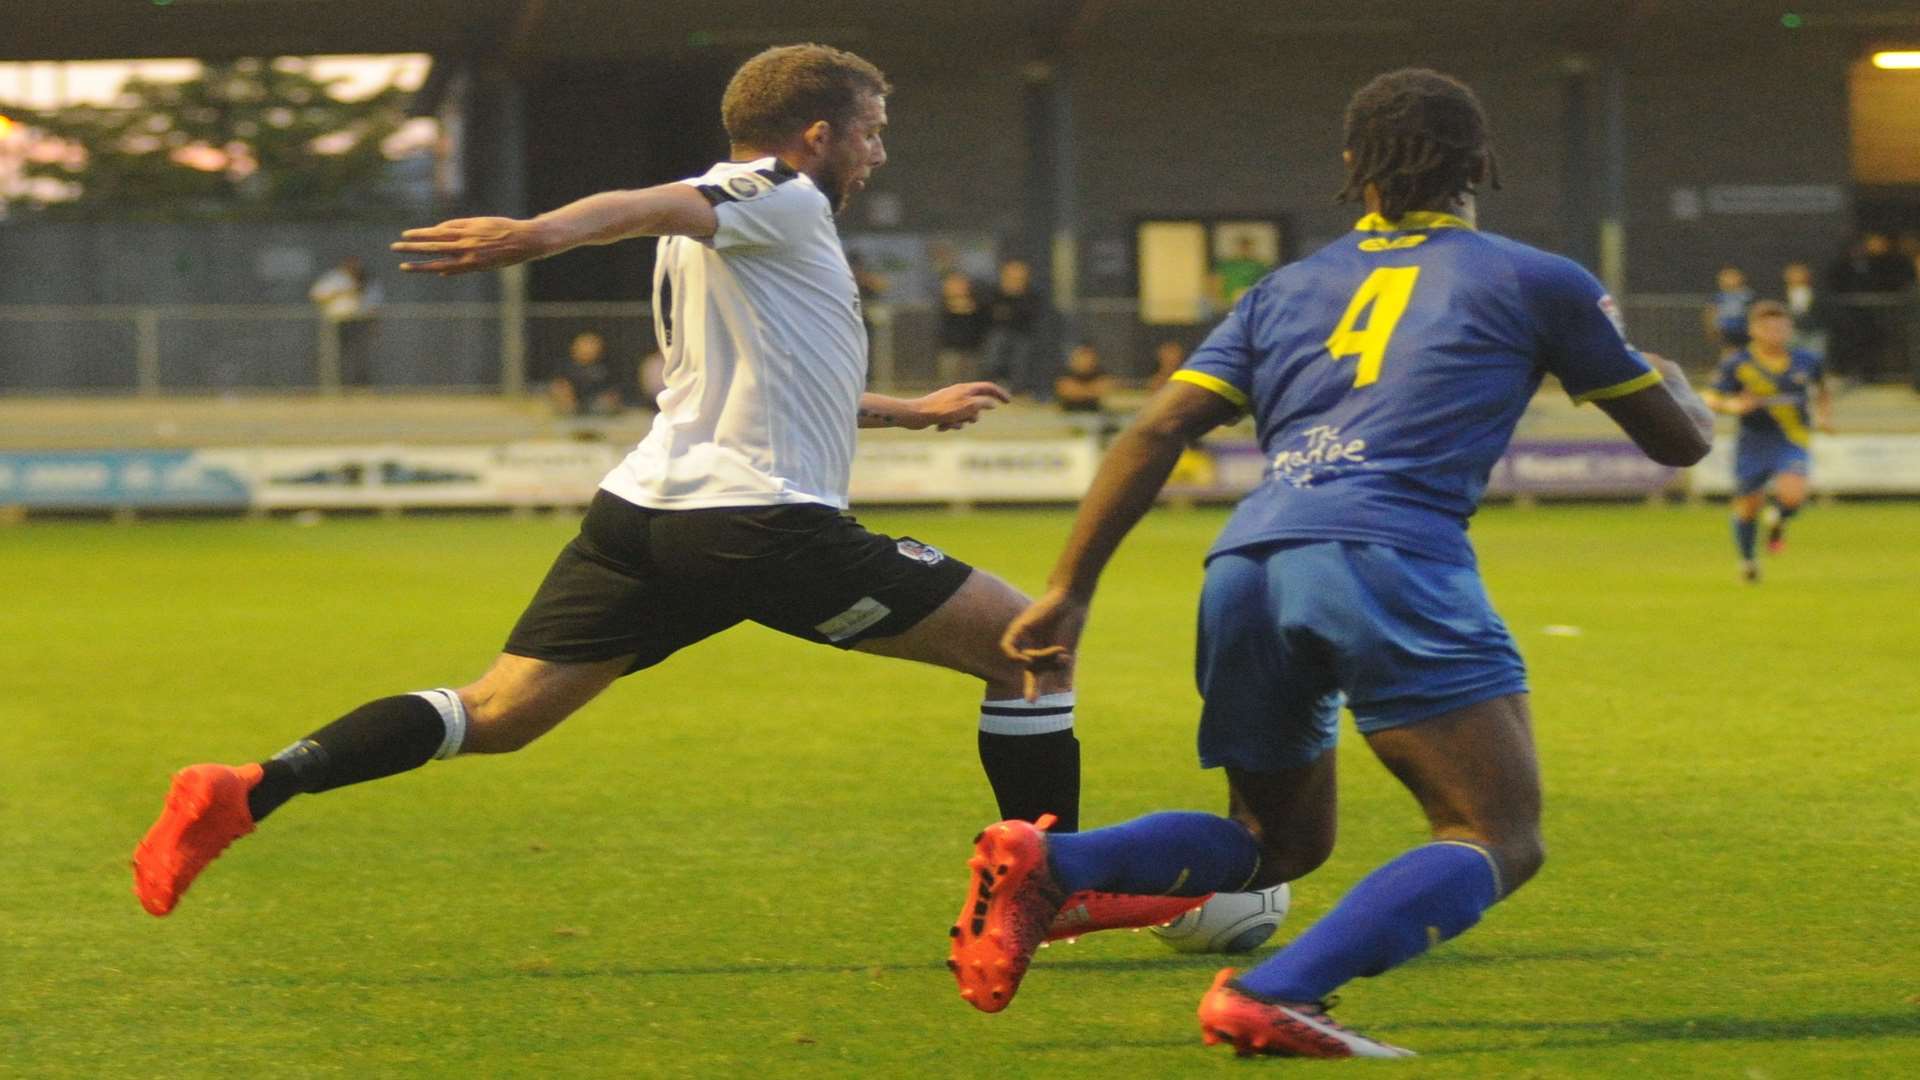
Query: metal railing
[[511, 346]]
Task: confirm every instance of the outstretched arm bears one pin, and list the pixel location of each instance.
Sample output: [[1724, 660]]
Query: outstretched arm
[[1045, 636], [464, 245], [949, 409]]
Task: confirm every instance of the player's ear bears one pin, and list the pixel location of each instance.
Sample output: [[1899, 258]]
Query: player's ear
[[817, 136]]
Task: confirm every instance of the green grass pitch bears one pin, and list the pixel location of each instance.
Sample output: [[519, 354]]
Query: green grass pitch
[[743, 863]]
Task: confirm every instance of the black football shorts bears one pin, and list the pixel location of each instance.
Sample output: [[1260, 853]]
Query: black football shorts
[[651, 582]]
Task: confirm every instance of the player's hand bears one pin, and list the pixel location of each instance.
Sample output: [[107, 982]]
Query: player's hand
[[1045, 636], [954, 407], [465, 245]]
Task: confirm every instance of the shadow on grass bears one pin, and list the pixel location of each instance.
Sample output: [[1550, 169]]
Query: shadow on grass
[[1057, 962], [1584, 1033]]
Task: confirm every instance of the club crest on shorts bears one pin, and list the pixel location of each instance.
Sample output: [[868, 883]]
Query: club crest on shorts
[[919, 552]]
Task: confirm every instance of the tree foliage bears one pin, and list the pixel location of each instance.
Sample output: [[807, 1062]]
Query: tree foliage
[[247, 138]]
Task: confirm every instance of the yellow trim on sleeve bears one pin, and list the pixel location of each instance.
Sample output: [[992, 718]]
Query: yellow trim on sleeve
[[1418, 219], [1209, 382], [1621, 389]]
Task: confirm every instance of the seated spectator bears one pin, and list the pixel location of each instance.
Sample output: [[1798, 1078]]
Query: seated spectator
[[1084, 384], [1167, 358], [588, 386]]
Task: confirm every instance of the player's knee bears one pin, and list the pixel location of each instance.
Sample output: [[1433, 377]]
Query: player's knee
[[497, 726], [1520, 858], [1287, 854], [1523, 859]]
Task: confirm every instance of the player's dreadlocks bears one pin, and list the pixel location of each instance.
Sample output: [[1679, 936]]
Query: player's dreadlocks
[[1420, 138]]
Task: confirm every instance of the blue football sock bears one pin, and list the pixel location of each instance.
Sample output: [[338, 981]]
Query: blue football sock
[[1743, 536], [1169, 854], [1786, 513], [1418, 900]]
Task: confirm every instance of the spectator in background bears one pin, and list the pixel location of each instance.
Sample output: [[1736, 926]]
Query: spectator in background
[[650, 379], [346, 297], [1234, 275], [1167, 358], [1013, 329], [963, 327], [1085, 384], [873, 290], [1859, 331], [1726, 314], [588, 385], [1807, 307], [1908, 248]]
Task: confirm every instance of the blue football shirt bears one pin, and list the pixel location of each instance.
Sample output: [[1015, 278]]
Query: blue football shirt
[[1386, 373], [1783, 391]]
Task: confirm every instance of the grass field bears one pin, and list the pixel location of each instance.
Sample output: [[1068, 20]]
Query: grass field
[[743, 863]]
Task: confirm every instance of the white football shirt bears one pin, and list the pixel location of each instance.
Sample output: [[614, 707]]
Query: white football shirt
[[766, 356]]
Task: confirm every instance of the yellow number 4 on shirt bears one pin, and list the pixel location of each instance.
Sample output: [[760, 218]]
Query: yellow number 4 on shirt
[[1386, 291]]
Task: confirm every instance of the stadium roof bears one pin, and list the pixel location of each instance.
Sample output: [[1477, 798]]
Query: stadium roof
[[540, 30]]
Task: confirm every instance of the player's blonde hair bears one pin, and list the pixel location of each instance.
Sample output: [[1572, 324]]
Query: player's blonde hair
[[784, 90], [1420, 138]]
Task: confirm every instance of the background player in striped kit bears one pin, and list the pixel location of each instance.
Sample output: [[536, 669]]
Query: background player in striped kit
[[1780, 395]]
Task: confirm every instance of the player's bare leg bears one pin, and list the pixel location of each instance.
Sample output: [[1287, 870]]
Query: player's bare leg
[[1028, 748], [1746, 527], [1789, 495], [520, 699], [1291, 814], [209, 806], [1475, 775]]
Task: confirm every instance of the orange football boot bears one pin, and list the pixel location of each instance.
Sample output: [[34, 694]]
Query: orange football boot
[[1255, 1025], [1011, 901], [206, 810], [1088, 911]]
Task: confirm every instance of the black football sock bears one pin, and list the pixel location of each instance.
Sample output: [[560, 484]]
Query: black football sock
[[1032, 758], [380, 738]]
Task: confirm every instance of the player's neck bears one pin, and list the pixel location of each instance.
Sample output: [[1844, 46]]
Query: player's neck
[[1462, 206]]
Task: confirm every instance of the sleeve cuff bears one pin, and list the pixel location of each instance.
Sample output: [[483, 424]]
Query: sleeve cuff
[[1208, 382], [1620, 389]]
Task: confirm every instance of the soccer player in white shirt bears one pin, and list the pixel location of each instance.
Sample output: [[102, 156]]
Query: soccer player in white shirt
[[731, 509]]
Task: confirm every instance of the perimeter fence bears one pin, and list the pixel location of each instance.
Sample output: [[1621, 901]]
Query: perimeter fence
[[492, 347]]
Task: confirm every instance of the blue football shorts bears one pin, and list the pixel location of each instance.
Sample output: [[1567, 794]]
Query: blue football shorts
[[1756, 461], [1291, 631]]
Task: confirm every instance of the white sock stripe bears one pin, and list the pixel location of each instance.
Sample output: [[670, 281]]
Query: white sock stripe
[[1042, 724], [453, 714]]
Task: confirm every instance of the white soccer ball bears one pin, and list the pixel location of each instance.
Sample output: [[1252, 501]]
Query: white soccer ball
[[1228, 922]]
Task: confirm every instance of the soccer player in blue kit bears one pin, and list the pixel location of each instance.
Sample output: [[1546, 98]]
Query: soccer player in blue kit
[[1385, 374], [1769, 386]]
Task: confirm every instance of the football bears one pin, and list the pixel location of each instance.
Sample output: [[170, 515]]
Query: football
[[1229, 922]]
